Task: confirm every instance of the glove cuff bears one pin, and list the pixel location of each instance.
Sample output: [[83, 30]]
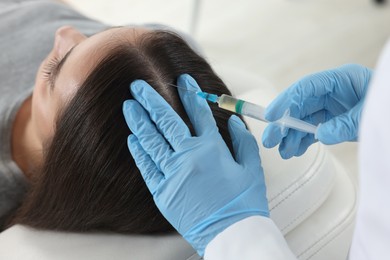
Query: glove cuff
[[201, 234]]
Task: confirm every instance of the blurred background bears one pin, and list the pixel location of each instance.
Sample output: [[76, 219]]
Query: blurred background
[[279, 40]]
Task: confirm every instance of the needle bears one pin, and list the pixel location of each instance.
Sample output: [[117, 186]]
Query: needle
[[189, 90]]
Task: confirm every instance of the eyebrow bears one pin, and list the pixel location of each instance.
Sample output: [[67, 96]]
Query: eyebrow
[[57, 70]]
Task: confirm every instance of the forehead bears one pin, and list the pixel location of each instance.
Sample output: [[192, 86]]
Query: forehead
[[86, 55]]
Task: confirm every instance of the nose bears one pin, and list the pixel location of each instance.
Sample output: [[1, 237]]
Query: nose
[[66, 38]]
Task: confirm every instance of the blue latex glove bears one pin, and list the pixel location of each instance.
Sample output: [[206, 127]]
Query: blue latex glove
[[195, 181], [333, 99]]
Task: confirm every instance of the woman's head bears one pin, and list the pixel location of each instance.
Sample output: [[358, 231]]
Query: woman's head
[[66, 67], [88, 180]]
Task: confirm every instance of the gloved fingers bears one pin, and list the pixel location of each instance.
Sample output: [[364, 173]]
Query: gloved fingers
[[197, 108], [309, 89], [337, 90], [245, 146], [298, 142], [309, 107], [148, 136], [341, 128], [359, 78], [167, 120], [273, 135], [291, 143], [306, 141], [145, 164], [279, 106]]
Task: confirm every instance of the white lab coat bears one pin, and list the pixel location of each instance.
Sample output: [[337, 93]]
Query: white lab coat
[[372, 230], [259, 238]]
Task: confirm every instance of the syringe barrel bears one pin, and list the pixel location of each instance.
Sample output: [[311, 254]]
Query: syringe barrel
[[253, 110], [241, 107], [227, 102], [258, 112]]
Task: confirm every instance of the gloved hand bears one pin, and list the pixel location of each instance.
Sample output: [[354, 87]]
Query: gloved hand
[[333, 99], [195, 181]]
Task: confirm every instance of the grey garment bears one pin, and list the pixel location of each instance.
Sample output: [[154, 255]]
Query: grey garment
[[27, 31]]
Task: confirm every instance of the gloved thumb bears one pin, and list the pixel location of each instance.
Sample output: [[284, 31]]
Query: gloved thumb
[[342, 128]]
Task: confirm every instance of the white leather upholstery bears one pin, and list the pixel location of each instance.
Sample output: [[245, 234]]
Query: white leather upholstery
[[22, 243], [312, 200]]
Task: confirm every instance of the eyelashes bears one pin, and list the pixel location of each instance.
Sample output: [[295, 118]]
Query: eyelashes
[[49, 69]]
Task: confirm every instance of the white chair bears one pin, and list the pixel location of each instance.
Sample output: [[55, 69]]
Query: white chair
[[312, 200]]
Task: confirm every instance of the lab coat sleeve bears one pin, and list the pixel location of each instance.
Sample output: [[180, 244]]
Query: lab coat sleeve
[[251, 238], [372, 231]]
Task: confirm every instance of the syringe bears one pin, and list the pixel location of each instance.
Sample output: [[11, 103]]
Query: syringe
[[256, 111], [249, 109]]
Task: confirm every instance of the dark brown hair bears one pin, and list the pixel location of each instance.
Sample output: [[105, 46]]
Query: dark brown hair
[[88, 181]]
